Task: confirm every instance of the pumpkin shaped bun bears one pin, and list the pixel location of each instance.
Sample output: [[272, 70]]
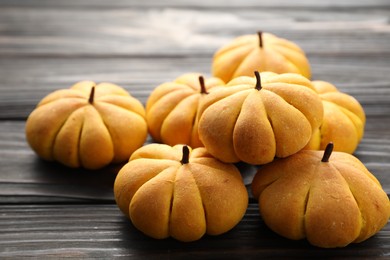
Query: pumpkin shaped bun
[[343, 123], [257, 119], [259, 52], [172, 108], [89, 125], [331, 201], [181, 193]]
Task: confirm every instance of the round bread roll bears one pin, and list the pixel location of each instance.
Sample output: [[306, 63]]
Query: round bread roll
[[332, 202], [255, 119], [343, 123], [172, 109], [88, 125], [259, 52], [175, 192]]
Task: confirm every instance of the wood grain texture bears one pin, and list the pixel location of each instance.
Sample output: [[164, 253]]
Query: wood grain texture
[[50, 211], [25, 81], [126, 30], [141, 45], [26, 178], [101, 231]]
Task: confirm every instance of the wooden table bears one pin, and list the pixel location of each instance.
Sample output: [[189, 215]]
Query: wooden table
[[48, 210]]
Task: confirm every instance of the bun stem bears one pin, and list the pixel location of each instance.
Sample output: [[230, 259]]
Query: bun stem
[[259, 33], [258, 81], [203, 89], [186, 155], [92, 95], [327, 152]]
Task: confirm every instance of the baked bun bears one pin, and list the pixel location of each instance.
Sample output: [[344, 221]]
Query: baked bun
[[331, 202], [88, 125], [255, 119], [262, 52], [173, 191], [172, 109]]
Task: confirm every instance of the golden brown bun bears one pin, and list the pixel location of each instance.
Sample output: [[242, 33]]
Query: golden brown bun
[[67, 128], [343, 122], [241, 123], [172, 109], [332, 203], [244, 55], [164, 197]]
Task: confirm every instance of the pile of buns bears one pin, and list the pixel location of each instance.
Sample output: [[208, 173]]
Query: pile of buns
[[259, 107]]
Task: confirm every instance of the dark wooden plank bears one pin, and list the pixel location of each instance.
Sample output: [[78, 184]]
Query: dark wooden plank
[[139, 47], [26, 80], [27, 179], [20, 94], [135, 30], [200, 3], [85, 231]]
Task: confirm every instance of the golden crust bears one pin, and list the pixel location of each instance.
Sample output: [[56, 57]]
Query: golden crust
[[343, 122], [241, 123], [67, 128], [243, 55], [172, 109], [164, 197], [332, 203]]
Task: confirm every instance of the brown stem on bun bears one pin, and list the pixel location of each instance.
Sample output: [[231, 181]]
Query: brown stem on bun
[[91, 95], [258, 81], [186, 155], [327, 152], [260, 34], [202, 85]]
